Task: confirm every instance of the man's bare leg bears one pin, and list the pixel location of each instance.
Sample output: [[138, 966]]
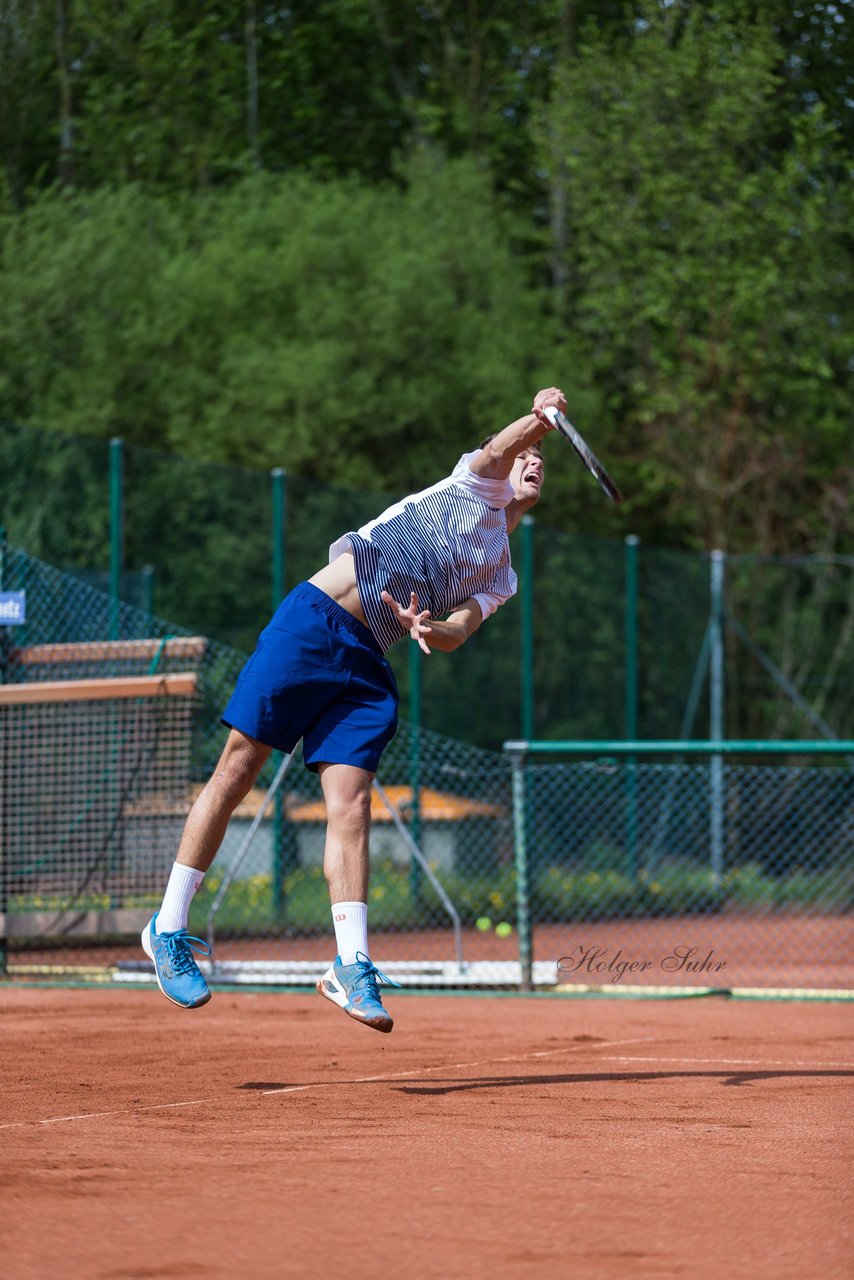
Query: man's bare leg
[[351, 982], [347, 792], [235, 775]]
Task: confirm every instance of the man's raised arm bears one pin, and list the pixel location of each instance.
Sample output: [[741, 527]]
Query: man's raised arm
[[496, 458]]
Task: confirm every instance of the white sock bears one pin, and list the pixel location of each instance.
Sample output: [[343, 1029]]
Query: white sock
[[183, 883], [351, 929]]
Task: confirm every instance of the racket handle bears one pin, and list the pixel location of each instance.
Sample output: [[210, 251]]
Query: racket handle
[[551, 414]]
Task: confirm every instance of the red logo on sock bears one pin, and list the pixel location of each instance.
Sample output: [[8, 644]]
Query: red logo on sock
[[341, 915]]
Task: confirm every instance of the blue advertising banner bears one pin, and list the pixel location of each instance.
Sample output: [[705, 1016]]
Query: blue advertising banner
[[13, 608]]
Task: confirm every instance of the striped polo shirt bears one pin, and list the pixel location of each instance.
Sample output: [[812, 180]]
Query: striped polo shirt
[[447, 543]]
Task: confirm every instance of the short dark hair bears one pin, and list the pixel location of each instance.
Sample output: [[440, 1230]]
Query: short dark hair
[[532, 448]]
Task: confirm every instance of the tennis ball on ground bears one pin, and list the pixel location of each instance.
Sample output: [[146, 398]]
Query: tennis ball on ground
[[504, 929], [483, 923]]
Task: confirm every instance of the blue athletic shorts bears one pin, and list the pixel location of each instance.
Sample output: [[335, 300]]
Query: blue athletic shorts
[[317, 674]]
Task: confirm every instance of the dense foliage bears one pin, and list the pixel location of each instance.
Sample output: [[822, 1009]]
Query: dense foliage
[[350, 236]]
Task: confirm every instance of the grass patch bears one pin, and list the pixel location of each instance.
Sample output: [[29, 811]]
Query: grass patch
[[404, 899]]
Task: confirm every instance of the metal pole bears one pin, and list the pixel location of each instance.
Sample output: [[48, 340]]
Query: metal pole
[[117, 533], [527, 652], [676, 746], [518, 760], [232, 871], [521, 801], [698, 680], [278, 480], [415, 709], [716, 711], [117, 558], [417, 856], [631, 660], [785, 684], [278, 477]]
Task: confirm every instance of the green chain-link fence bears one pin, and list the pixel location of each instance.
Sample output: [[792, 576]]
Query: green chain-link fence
[[672, 865], [98, 782], [604, 640], [734, 869]]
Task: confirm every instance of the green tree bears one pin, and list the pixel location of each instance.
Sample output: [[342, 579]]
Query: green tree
[[184, 95], [360, 334], [816, 40], [706, 270], [161, 91], [77, 278], [28, 98]]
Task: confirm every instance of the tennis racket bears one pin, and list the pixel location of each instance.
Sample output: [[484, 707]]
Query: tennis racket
[[585, 453]]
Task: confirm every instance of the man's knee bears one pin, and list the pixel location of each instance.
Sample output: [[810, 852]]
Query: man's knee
[[348, 798], [239, 766]]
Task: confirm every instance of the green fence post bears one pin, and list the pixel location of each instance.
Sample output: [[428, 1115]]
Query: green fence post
[[117, 558], [631, 660], [521, 801], [117, 533], [148, 589], [4, 783], [519, 764], [716, 711], [527, 654], [415, 709], [631, 633], [278, 480]]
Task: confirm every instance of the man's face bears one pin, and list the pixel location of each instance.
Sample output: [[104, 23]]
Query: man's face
[[527, 476]]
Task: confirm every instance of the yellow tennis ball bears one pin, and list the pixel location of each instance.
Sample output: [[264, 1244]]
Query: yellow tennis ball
[[504, 929], [483, 923]]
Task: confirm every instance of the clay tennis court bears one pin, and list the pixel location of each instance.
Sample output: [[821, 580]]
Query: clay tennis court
[[268, 1135]]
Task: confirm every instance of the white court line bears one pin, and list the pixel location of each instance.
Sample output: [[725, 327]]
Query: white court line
[[461, 1066], [327, 1084], [97, 1115], [734, 1062]]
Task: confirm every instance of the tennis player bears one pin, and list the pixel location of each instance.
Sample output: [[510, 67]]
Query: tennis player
[[320, 674]]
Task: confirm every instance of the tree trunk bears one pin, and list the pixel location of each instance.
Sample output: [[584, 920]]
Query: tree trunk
[[559, 193], [252, 84], [66, 139]]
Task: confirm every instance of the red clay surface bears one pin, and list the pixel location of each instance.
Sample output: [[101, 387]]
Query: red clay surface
[[270, 1136]]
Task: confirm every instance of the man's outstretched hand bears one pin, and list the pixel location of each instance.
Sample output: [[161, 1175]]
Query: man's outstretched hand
[[414, 620], [548, 397]]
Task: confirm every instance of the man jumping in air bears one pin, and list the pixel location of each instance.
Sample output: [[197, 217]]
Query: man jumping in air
[[319, 673]]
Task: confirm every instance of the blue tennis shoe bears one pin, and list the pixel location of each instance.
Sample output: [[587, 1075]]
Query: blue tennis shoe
[[353, 987], [178, 976]]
